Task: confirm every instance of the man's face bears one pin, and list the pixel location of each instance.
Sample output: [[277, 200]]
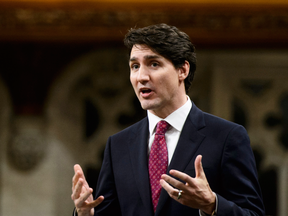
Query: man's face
[[156, 82]]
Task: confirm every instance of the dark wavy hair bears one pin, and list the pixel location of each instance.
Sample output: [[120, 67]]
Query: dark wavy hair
[[167, 41]]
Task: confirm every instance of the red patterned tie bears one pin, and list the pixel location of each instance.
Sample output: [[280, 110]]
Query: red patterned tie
[[158, 161]]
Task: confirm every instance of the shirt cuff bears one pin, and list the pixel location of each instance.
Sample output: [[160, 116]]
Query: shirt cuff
[[201, 213], [75, 212]]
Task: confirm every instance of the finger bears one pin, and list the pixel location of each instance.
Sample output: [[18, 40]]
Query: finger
[[78, 169], [174, 182], [75, 180], [77, 190], [80, 201], [96, 202], [170, 190], [78, 172], [198, 167], [182, 176]]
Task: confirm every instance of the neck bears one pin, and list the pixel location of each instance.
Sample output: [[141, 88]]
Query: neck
[[166, 111]]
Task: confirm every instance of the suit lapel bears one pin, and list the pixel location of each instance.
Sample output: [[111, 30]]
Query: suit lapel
[[189, 141], [138, 149]]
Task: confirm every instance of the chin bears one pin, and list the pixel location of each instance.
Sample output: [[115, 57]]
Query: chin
[[149, 106], [145, 105]]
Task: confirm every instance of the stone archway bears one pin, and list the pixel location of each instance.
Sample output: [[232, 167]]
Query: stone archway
[[94, 87], [5, 114], [252, 87]]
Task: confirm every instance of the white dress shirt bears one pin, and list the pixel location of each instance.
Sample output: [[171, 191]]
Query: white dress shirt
[[176, 120]]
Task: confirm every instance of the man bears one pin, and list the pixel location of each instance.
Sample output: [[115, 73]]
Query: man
[[206, 165]]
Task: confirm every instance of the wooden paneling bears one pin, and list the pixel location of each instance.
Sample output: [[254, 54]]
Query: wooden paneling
[[210, 23]]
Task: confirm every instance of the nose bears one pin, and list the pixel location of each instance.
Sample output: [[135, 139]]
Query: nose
[[143, 74]]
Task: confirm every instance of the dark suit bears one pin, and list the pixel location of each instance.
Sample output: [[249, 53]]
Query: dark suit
[[228, 163]]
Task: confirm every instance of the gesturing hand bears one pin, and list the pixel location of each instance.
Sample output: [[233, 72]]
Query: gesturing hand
[[196, 192], [82, 194]]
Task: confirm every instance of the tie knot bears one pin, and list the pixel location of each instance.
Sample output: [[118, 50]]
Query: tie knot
[[162, 127]]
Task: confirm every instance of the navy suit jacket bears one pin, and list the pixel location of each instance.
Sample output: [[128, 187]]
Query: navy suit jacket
[[228, 162]]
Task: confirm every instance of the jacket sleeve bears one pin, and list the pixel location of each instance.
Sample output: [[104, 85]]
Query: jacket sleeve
[[106, 187], [240, 190]]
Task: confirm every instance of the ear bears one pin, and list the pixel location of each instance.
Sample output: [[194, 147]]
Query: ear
[[184, 71]]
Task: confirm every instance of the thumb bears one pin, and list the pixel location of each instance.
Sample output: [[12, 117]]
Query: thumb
[[198, 166]]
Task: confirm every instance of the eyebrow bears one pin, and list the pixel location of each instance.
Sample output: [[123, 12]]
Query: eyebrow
[[147, 57]]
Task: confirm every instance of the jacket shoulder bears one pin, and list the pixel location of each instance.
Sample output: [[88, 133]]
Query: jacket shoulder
[[132, 129]]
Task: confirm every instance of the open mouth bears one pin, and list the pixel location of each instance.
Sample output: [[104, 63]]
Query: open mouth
[[145, 91]]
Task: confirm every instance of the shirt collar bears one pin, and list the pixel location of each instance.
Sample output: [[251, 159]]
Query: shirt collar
[[176, 119]]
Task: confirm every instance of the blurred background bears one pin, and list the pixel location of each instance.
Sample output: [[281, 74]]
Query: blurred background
[[64, 88]]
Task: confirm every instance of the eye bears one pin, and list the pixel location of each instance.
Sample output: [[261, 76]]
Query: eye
[[134, 66], [155, 64]]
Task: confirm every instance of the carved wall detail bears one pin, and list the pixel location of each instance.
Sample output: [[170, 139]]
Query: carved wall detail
[[254, 94], [26, 150], [207, 19], [252, 23]]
